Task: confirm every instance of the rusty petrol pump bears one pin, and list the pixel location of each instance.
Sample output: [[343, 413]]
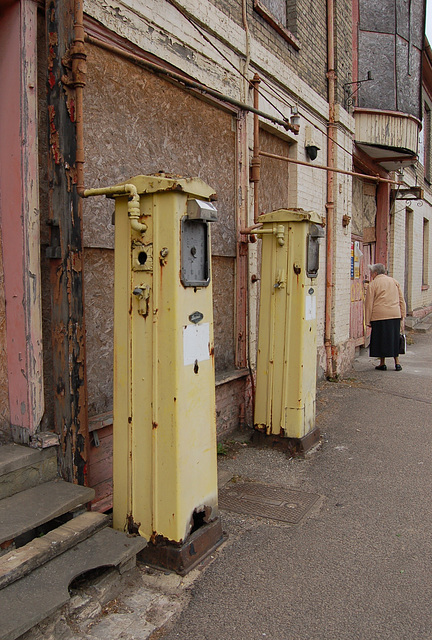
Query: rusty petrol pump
[[164, 456], [287, 343]]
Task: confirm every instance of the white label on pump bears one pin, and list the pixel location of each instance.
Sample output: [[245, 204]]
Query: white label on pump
[[310, 313], [196, 343]]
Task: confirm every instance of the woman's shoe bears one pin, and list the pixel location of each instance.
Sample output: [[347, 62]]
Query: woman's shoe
[[383, 367], [398, 367]]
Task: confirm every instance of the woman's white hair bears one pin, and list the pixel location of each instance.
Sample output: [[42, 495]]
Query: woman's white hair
[[377, 268]]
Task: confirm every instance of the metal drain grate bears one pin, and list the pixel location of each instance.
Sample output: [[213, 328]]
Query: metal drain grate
[[274, 503]]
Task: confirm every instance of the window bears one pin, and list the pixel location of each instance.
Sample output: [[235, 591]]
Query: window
[[276, 13], [425, 258]]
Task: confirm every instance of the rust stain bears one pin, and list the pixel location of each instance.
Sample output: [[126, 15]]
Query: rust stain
[[132, 526], [54, 138], [52, 44], [77, 261], [6, 544], [155, 425], [157, 540], [71, 176], [68, 83]]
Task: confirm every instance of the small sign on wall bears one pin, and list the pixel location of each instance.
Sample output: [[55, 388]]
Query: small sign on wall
[[310, 311], [196, 343]]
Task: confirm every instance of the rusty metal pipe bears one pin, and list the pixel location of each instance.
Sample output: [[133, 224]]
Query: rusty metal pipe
[[79, 70], [252, 229], [256, 160], [375, 178], [331, 77]]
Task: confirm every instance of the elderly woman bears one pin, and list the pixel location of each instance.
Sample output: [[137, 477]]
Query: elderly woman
[[385, 311]]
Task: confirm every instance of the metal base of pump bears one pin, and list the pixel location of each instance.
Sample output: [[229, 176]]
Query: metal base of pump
[[182, 558], [294, 446]]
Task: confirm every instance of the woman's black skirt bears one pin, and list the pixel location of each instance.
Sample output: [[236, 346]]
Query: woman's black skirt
[[384, 342]]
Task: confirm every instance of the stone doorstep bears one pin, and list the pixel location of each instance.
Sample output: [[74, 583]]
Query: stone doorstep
[[422, 324], [22, 468], [29, 509], [423, 327], [15, 456], [20, 562], [33, 598]]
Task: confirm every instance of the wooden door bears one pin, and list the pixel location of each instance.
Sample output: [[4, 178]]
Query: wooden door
[[362, 255]]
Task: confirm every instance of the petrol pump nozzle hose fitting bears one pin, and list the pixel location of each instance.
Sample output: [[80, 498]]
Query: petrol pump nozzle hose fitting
[[133, 203]]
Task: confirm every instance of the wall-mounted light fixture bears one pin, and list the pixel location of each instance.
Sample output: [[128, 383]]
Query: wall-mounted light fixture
[[312, 151], [295, 119], [311, 145]]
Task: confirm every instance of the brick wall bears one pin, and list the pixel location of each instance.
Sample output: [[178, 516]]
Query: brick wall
[[233, 406], [343, 46], [307, 21]]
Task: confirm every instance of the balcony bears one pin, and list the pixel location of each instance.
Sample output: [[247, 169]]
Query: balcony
[[389, 138]]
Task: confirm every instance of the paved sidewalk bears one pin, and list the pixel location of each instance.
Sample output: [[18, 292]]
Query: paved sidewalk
[[358, 566]]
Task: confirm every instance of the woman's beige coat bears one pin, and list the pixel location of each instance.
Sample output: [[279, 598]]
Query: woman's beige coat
[[384, 300]]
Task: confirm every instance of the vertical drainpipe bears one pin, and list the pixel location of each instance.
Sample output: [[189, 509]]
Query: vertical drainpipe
[[79, 69], [256, 160], [242, 176], [330, 207]]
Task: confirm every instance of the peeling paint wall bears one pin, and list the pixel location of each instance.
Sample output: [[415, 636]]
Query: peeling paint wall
[[42, 64], [4, 396]]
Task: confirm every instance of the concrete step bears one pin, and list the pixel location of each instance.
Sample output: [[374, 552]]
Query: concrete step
[[424, 325], [36, 596], [421, 325], [22, 468], [20, 562], [24, 511]]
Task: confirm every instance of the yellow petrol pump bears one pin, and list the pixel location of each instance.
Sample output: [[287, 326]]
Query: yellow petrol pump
[[164, 458], [286, 362]]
